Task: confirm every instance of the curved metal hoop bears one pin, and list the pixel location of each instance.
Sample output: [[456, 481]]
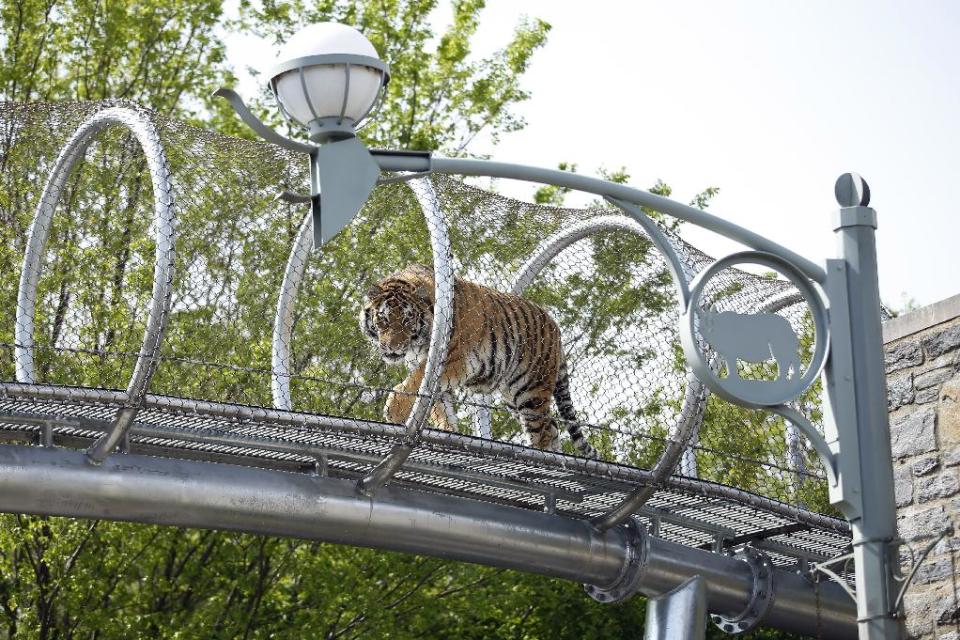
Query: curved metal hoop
[[283, 320], [694, 396], [439, 338], [165, 227]]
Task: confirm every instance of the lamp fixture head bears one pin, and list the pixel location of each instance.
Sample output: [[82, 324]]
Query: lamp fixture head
[[328, 78]]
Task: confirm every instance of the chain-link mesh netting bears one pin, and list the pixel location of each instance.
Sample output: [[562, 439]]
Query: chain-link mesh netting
[[590, 348]]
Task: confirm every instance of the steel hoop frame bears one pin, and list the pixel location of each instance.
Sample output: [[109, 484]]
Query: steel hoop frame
[[694, 397], [165, 224], [443, 271], [556, 243], [283, 320]]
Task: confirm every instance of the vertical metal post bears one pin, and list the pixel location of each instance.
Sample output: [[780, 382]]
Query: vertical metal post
[[678, 614], [857, 422]]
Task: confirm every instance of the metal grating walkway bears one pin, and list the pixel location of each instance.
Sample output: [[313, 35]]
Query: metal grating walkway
[[686, 511]]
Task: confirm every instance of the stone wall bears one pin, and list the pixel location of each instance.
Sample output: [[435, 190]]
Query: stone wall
[[923, 379]]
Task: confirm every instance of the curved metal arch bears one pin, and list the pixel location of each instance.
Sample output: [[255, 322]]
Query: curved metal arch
[[439, 338], [443, 276], [165, 225], [283, 320], [818, 442], [694, 393], [614, 192]]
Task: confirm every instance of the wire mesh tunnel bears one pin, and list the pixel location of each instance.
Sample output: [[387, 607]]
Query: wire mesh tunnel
[[264, 356]]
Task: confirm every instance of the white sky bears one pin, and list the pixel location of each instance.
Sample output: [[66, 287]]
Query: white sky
[[767, 99]]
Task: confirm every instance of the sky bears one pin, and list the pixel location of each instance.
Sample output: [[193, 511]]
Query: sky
[[768, 100]]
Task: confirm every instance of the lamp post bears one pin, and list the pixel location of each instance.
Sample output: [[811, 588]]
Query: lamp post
[[329, 79]]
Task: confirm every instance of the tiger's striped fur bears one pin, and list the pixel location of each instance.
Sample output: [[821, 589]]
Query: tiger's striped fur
[[499, 342]]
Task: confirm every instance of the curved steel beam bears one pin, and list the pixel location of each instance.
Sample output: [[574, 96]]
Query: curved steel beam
[[261, 129], [283, 320], [439, 336], [694, 397], [818, 442], [443, 276], [641, 225], [165, 224], [443, 314], [628, 194]]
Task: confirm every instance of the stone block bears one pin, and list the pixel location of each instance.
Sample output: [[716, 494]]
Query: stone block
[[925, 466], [934, 570], [942, 342], [903, 356], [920, 608], [946, 360], [949, 544], [933, 378], [936, 487], [948, 610], [948, 414], [903, 485], [926, 395], [914, 434], [951, 457], [924, 524], [899, 392]]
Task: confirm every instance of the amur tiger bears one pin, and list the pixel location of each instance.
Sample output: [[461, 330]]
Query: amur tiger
[[499, 342]]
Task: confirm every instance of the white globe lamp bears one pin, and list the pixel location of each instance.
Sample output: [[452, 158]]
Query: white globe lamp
[[328, 78]]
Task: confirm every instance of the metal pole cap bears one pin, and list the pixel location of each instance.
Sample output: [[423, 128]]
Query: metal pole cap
[[852, 190]]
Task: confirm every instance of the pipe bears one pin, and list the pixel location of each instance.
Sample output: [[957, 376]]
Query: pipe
[[138, 488], [681, 613]]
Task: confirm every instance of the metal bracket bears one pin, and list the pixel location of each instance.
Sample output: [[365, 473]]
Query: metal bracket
[[295, 198], [761, 596], [823, 567], [916, 562], [628, 581], [259, 127], [321, 466]]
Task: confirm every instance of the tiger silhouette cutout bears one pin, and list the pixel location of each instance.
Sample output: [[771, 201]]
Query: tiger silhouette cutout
[[499, 342], [752, 338]]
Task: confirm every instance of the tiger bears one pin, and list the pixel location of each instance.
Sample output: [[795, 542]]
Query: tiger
[[499, 342]]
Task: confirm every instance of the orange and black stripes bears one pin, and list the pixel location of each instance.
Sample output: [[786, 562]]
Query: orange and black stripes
[[499, 342]]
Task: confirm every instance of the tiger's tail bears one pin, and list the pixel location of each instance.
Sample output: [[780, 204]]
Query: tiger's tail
[[561, 393]]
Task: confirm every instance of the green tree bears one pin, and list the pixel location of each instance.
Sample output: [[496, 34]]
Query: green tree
[[67, 578]]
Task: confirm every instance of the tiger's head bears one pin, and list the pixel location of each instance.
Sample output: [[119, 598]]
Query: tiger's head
[[397, 317]]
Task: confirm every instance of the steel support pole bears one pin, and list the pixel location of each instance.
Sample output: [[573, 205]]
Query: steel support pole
[[857, 422], [680, 614]]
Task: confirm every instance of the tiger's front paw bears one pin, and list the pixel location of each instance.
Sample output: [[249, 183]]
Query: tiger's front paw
[[398, 407]]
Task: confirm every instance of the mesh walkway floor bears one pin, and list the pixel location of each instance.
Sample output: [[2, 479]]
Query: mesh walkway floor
[[684, 510]]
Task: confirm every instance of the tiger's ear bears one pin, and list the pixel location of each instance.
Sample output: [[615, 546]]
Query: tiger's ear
[[374, 291]]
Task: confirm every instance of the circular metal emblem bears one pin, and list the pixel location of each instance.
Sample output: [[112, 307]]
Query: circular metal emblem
[[742, 345]]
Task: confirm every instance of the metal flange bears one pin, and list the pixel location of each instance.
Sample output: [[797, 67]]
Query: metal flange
[[628, 581], [761, 596]]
